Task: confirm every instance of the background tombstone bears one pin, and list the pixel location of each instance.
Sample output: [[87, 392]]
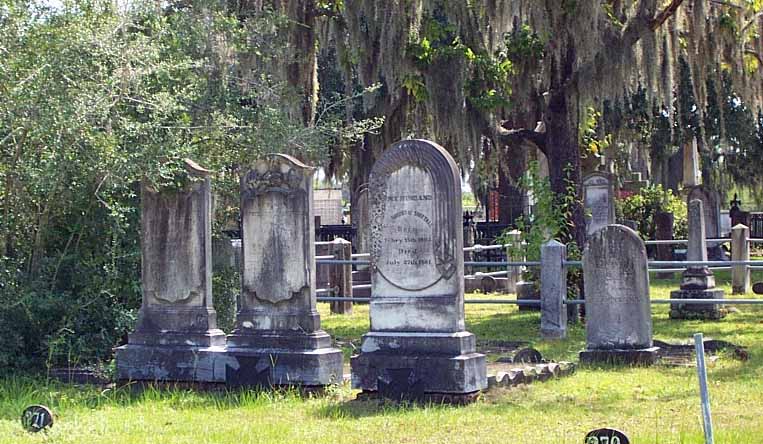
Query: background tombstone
[[711, 205], [697, 282], [740, 251], [598, 195], [663, 222], [691, 169], [362, 223], [618, 311], [176, 337], [418, 344], [277, 339]]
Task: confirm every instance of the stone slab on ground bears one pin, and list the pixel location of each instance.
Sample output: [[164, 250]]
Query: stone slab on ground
[[514, 375]]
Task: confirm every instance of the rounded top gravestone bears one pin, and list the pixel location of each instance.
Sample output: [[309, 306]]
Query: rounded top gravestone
[[617, 290], [416, 237]]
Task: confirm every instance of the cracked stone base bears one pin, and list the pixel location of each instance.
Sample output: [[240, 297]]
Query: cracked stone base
[[411, 365], [166, 363], [697, 311], [638, 357], [273, 367]]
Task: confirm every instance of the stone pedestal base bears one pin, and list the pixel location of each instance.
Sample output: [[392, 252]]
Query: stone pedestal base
[[636, 357], [697, 311], [170, 363], [267, 368], [413, 365], [526, 291]]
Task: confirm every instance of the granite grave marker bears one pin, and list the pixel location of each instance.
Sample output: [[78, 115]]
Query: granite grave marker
[[418, 344], [618, 311], [176, 337], [278, 339], [697, 282]]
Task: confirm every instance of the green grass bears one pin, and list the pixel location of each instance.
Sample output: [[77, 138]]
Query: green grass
[[654, 405]]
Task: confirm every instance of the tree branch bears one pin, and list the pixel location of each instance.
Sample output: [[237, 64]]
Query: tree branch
[[666, 14], [520, 135], [643, 23]]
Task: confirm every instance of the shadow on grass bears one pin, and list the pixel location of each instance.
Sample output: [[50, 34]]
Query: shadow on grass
[[355, 409]]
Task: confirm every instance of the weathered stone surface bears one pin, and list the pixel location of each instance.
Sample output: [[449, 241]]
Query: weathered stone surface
[[697, 282], [711, 206], [691, 168], [527, 291], [618, 312], [417, 304], [177, 318], [553, 288], [598, 191], [663, 222], [513, 255], [277, 338], [740, 251]]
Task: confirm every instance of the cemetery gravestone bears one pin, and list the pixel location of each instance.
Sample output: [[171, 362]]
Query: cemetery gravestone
[[712, 208], [418, 344], [663, 222], [362, 222], [697, 282], [599, 201], [691, 172], [606, 436], [618, 311], [277, 339], [176, 337]]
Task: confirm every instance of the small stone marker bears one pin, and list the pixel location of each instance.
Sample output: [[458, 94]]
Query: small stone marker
[[697, 282], [599, 201], [418, 344], [606, 436], [36, 418], [278, 339], [618, 311], [757, 288], [176, 337]]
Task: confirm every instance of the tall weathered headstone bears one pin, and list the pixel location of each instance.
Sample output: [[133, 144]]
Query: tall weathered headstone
[[697, 281], [278, 338], [599, 194], [618, 311], [418, 343], [692, 175], [176, 337], [740, 251]]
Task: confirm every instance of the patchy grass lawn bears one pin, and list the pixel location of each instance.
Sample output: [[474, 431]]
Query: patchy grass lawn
[[655, 405]]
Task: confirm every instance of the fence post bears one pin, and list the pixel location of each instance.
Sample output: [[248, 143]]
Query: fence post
[[341, 276], [553, 290], [740, 251], [513, 274]]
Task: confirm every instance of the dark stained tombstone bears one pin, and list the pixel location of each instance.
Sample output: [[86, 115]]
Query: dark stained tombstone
[[176, 337], [606, 436], [36, 418], [598, 195], [697, 282], [757, 288], [278, 339], [663, 222], [418, 341], [618, 311]]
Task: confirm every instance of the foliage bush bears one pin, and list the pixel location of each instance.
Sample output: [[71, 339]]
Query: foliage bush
[[94, 100], [549, 220], [650, 200]]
